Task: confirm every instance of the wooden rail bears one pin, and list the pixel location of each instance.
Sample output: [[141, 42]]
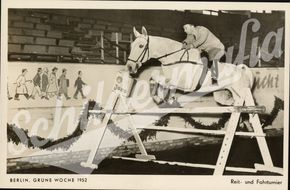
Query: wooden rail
[[197, 110], [198, 131]]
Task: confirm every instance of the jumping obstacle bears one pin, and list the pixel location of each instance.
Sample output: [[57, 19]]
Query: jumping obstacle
[[245, 104], [198, 110]]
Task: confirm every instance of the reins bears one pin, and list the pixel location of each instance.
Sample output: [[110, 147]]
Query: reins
[[143, 53], [168, 54]]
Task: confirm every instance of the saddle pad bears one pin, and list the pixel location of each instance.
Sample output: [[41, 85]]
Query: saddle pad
[[184, 75]]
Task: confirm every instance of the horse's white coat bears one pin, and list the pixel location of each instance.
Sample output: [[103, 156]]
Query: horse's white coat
[[185, 76]]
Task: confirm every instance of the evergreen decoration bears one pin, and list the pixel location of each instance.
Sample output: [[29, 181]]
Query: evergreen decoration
[[18, 135]]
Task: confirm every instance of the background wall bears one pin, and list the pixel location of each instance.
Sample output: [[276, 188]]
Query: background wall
[[74, 35]]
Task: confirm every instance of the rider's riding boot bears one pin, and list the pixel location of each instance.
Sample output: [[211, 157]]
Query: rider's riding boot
[[157, 99], [214, 72]]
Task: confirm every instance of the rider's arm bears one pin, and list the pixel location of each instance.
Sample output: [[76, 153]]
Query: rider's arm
[[188, 42], [201, 37]]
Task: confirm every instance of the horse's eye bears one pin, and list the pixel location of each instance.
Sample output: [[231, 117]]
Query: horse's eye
[[141, 46]]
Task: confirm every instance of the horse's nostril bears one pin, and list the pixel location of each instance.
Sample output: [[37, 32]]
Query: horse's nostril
[[130, 68]]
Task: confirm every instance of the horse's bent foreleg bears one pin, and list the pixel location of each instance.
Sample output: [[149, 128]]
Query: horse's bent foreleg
[[161, 91], [154, 86]]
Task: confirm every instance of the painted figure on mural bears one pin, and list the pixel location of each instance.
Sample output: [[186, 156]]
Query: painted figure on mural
[[44, 84], [8, 92], [37, 84], [21, 88], [52, 88], [63, 85], [79, 85]]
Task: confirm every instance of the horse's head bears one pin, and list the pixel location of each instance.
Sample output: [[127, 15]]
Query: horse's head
[[139, 51]]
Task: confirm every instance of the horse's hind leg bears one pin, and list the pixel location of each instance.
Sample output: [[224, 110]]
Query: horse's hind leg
[[224, 97]]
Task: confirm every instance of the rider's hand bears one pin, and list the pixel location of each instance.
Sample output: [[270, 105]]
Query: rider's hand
[[186, 46]]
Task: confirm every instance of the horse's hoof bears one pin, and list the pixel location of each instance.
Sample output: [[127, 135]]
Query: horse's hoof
[[173, 103], [157, 100]]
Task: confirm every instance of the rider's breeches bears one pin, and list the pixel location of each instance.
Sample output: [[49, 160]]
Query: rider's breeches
[[212, 64], [214, 69]]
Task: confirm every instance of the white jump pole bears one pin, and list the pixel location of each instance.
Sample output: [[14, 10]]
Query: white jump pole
[[196, 110], [198, 131]]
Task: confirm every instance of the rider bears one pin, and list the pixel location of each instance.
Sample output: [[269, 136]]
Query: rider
[[207, 43]]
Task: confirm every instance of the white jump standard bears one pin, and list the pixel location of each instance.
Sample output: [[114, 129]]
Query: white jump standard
[[244, 105]]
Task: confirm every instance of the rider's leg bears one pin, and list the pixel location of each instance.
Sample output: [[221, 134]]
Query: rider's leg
[[211, 64], [214, 71], [215, 55]]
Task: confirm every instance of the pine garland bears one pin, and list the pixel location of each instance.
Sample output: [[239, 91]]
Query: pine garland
[[163, 121], [18, 135], [267, 119]]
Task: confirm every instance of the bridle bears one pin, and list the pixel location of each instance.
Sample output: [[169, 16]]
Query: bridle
[[143, 53], [146, 49]]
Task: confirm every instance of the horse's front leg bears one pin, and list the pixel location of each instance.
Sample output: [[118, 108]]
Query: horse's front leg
[[155, 91], [161, 91]]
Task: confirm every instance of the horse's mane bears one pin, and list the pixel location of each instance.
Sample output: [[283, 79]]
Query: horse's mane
[[165, 38], [170, 43]]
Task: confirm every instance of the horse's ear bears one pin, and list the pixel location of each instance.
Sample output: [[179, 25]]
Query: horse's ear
[[136, 33], [144, 31]]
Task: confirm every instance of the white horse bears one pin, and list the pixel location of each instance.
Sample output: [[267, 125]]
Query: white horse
[[185, 71]]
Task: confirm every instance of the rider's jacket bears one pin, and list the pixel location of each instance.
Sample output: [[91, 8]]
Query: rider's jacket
[[204, 40]]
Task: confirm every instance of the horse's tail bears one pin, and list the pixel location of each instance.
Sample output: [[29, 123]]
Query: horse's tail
[[247, 74]]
